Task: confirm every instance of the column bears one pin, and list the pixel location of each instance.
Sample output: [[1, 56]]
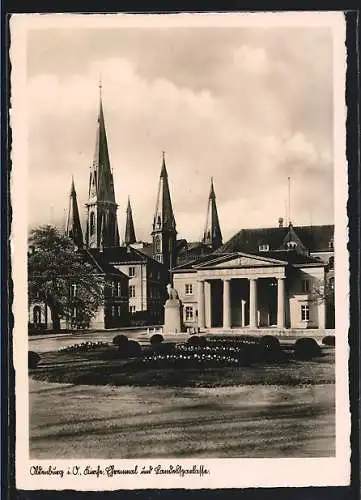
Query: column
[[253, 302], [243, 319], [207, 305], [227, 303], [201, 312], [280, 302]]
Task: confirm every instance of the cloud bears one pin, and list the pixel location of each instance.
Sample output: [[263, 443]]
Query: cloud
[[239, 110]]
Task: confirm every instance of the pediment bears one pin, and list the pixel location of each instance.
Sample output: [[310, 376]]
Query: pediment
[[240, 260]]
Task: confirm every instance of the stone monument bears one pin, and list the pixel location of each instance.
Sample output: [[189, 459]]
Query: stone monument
[[172, 312]]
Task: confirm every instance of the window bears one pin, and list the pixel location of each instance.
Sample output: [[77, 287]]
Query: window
[[132, 291], [263, 248], [189, 288], [119, 310], [131, 272], [305, 313], [74, 314], [291, 245], [305, 286], [189, 313], [157, 244], [132, 309], [119, 289], [92, 223], [73, 290], [113, 310]]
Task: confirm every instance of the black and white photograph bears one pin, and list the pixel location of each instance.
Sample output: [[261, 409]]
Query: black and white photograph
[[179, 191]]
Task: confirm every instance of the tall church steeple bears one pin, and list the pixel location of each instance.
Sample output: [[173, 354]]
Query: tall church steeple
[[73, 226], [164, 227], [102, 226], [212, 232], [129, 227]]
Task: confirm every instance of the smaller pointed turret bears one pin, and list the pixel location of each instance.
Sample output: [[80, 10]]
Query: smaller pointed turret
[[129, 237], [73, 226], [212, 233]]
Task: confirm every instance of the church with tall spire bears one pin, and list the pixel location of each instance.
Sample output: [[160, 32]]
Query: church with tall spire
[[102, 226]]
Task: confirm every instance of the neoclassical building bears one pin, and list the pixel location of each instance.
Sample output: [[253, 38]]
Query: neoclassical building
[[261, 278]]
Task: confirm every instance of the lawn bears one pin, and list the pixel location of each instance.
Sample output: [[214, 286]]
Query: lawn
[[98, 405], [78, 421]]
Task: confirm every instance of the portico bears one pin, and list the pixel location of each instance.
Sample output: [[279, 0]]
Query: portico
[[241, 295]]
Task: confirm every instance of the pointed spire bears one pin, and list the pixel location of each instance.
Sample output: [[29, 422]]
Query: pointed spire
[[103, 178], [164, 217], [73, 226], [212, 233], [129, 227], [101, 204]]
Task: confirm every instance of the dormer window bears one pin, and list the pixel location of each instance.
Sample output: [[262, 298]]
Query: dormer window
[[291, 245], [263, 248]]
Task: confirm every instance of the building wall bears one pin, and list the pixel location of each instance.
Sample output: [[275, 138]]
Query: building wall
[[188, 300], [139, 281], [297, 297]]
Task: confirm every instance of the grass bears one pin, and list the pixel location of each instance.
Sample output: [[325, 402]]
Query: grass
[[92, 368], [77, 421]]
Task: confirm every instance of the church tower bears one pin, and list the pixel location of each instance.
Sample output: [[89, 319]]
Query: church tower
[[73, 226], [164, 232], [129, 237], [212, 233], [102, 227]]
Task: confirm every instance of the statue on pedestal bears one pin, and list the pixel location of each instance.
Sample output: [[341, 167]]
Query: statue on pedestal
[[172, 312]]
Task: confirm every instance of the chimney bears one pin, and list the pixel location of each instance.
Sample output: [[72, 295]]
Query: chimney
[[280, 222]]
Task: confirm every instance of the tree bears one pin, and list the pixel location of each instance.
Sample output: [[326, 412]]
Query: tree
[[61, 276]]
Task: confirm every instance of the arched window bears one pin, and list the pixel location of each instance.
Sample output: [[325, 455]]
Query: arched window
[[291, 245], [37, 315], [92, 223], [157, 245]]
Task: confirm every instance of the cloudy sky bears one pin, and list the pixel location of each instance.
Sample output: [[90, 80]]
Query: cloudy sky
[[248, 106]]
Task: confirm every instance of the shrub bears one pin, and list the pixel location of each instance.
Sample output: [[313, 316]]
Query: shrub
[[33, 359], [120, 340], [134, 348], [202, 341], [156, 339], [130, 349], [164, 348], [329, 340], [307, 348], [269, 343], [194, 340]]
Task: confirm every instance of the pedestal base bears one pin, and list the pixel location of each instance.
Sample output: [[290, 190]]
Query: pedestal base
[[172, 316]]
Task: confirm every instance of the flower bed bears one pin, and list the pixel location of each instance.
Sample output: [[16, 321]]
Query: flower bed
[[84, 347], [188, 360]]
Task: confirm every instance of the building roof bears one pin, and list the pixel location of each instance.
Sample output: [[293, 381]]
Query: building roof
[[97, 259], [123, 255], [313, 238]]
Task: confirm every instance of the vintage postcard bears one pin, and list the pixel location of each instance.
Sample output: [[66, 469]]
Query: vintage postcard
[[179, 250]]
